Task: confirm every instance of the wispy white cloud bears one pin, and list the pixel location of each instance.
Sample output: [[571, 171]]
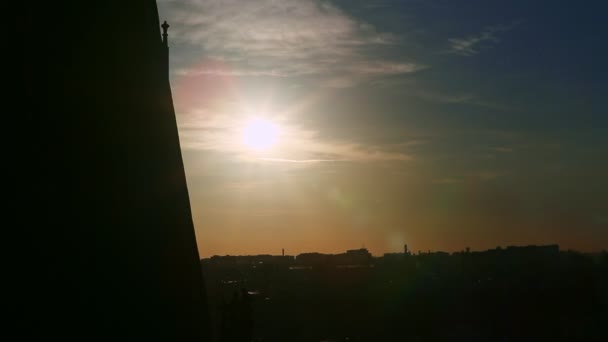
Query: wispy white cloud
[[283, 160], [351, 71], [472, 44], [311, 39], [279, 38]]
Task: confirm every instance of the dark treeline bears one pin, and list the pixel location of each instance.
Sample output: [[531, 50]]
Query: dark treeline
[[511, 294]]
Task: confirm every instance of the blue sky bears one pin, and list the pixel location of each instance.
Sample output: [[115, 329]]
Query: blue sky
[[441, 124]]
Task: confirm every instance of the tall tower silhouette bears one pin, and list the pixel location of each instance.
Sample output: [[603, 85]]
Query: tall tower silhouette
[[110, 219]]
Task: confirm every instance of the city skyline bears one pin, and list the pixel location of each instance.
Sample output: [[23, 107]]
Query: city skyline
[[325, 125], [404, 251]]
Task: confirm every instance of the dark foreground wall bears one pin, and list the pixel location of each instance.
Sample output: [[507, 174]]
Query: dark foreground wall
[[105, 194]]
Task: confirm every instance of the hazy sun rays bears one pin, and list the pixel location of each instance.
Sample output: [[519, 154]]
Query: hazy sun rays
[[258, 129]]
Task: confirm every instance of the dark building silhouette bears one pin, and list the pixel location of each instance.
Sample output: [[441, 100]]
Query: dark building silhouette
[[104, 199], [351, 257], [516, 293]]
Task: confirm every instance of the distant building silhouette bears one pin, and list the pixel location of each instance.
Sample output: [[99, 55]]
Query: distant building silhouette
[[352, 257]]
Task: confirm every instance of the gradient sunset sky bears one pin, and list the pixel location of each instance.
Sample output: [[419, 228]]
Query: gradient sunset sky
[[437, 123]]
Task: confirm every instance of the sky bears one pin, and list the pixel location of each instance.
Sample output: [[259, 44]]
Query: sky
[[438, 124]]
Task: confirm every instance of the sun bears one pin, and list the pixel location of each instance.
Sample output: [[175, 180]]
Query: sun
[[260, 134]]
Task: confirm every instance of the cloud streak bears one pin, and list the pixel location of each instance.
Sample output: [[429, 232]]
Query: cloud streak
[[280, 38], [283, 160], [459, 99], [471, 45]]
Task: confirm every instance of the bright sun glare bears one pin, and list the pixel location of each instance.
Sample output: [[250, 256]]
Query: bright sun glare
[[260, 134]]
